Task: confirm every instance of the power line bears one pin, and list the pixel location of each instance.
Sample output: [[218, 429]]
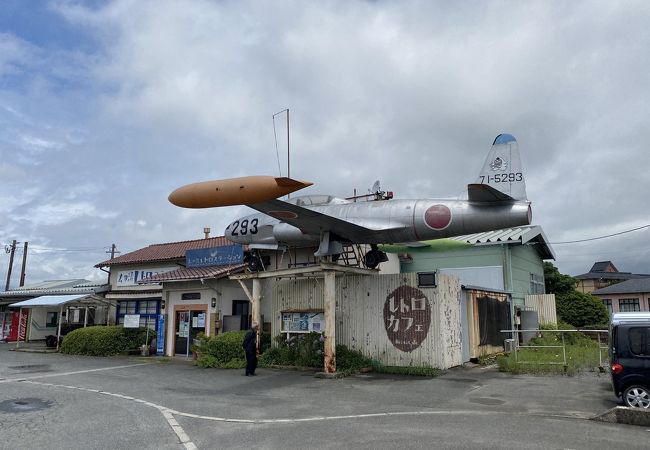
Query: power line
[[601, 237]]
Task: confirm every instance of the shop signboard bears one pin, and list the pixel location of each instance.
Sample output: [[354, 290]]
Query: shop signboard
[[215, 256], [132, 277]]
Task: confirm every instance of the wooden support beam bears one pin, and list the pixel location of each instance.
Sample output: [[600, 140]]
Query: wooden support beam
[[330, 321], [256, 310]]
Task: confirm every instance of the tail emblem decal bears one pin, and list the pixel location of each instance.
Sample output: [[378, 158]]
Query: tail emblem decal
[[499, 164]]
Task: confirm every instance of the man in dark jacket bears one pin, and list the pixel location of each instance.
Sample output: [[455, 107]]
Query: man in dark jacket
[[250, 346]]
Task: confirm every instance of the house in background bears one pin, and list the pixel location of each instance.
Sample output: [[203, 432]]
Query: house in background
[[603, 274], [626, 296]]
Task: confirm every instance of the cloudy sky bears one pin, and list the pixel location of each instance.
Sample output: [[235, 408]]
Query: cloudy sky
[[106, 107]]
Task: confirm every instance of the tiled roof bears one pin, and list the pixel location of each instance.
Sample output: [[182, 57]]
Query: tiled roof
[[610, 276], [196, 273], [602, 266], [164, 252], [635, 286]]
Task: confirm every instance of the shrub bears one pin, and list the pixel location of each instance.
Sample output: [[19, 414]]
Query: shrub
[[581, 310], [350, 360], [104, 341], [223, 347], [276, 356], [225, 350]]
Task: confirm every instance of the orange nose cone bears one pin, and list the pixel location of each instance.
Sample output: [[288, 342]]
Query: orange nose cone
[[234, 191]]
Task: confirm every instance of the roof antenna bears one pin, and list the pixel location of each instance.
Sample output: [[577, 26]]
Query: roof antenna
[[276, 145]]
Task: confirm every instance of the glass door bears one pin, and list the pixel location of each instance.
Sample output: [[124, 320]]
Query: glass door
[[188, 325]]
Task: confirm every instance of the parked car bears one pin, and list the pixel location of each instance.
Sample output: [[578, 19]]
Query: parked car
[[629, 353]]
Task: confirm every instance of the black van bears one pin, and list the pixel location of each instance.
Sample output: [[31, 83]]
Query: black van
[[629, 353]]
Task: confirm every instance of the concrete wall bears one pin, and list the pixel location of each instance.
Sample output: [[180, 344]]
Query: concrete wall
[[38, 328]]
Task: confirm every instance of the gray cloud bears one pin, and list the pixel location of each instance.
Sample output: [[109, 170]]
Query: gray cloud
[[408, 93]]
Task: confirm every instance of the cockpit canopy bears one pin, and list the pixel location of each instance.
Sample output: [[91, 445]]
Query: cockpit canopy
[[316, 200]]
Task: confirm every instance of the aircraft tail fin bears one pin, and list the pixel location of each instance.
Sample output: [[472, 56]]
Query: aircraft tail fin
[[501, 176]]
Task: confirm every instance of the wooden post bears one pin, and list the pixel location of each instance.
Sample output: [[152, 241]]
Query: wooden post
[[330, 321], [256, 311], [58, 332]]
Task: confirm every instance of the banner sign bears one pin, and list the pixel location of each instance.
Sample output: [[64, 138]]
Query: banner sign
[[160, 338], [132, 277], [215, 256]]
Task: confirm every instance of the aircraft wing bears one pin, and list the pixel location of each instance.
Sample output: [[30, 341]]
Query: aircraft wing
[[313, 222]]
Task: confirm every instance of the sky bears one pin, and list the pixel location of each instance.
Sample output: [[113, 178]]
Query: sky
[[108, 106]]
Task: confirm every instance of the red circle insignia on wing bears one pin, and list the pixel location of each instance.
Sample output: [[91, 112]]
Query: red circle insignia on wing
[[283, 214]]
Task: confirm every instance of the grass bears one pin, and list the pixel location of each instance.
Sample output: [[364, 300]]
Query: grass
[[581, 355]]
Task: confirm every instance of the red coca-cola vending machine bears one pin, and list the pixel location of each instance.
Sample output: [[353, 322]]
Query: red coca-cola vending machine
[[18, 327]]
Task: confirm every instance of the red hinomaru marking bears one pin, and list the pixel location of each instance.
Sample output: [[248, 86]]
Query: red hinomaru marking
[[437, 217], [283, 214]]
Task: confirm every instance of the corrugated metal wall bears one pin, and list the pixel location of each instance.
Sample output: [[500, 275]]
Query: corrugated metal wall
[[360, 323], [544, 304]]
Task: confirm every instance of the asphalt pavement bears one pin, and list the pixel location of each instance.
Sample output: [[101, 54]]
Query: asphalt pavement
[[60, 401]]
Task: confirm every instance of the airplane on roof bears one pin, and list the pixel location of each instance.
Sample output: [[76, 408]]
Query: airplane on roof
[[497, 199]]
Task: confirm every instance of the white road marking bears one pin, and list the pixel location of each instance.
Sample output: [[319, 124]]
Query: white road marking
[[167, 413], [62, 374]]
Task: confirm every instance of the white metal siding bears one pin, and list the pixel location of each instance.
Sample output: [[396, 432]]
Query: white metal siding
[[359, 316], [544, 304]]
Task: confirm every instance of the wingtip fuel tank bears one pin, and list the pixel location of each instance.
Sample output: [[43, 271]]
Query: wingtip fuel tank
[[235, 191]]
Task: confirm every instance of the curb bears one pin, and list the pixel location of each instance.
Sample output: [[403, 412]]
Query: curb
[[626, 415]]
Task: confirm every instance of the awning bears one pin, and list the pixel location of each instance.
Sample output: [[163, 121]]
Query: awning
[[58, 300]]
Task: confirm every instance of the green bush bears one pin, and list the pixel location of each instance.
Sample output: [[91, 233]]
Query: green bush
[[276, 356], [224, 347], [206, 361], [581, 310], [350, 360], [225, 350], [104, 341]]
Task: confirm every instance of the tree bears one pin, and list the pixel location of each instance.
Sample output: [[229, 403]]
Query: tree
[[580, 309], [557, 283]]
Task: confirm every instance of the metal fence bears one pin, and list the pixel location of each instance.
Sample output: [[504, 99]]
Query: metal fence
[[601, 336]]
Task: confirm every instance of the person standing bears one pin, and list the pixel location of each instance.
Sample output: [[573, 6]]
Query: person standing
[[250, 346]]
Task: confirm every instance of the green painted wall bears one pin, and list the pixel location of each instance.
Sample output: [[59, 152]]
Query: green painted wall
[[518, 261]]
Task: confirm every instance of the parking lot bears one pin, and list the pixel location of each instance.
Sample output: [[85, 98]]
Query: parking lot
[[60, 401]]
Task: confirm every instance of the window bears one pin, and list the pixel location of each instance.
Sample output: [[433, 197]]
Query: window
[[536, 284], [608, 304], [148, 310], [639, 338], [628, 305], [51, 320]]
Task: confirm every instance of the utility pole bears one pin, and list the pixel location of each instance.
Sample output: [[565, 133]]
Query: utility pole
[[11, 263], [22, 270], [112, 251]]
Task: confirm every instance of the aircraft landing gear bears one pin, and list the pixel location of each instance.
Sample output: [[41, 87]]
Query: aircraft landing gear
[[374, 257], [256, 262]]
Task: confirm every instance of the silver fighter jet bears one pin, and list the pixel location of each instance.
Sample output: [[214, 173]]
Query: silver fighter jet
[[496, 200]]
